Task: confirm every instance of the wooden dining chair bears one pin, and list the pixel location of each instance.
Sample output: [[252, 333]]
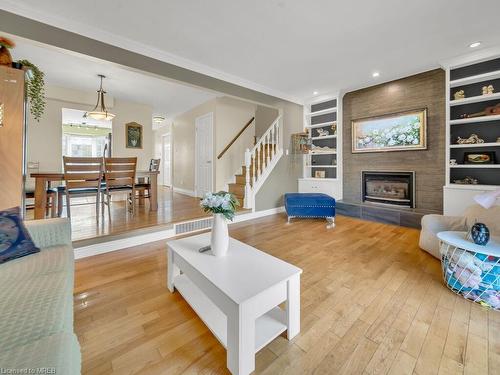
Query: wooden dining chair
[[119, 177], [143, 187], [83, 176]]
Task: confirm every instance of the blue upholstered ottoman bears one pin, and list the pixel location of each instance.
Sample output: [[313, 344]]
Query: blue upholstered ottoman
[[313, 205]]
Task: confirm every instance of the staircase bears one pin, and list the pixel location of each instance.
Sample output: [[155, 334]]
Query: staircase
[[259, 162], [238, 188]]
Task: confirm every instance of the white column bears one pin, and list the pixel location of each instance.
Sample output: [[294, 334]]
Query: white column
[[293, 307], [172, 270], [273, 149], [248, 188], [241, 341], [268, 140], [253, 168]]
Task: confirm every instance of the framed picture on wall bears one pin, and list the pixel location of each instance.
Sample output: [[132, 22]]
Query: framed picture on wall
[[133, 132], [402, 131]]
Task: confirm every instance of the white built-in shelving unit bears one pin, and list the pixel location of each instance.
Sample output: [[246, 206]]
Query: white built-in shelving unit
[[471, 74], [323, 114]]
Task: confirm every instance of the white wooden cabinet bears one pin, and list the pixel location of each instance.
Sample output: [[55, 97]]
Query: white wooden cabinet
[[458, 197], [318, 185]]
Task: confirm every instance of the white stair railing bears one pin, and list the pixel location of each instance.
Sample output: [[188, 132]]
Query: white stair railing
[[261, 160]]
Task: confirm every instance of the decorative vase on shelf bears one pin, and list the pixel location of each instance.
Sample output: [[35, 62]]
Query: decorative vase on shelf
[[480, 234], [219, 240]]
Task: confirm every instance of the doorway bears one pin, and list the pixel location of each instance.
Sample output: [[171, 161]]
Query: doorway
[[204, 154], [167, 159]]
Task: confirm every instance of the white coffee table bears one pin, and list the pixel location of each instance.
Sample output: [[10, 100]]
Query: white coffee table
[[237, 296]]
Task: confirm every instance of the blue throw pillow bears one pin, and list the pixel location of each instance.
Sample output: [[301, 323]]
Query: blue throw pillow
[[15, 241]]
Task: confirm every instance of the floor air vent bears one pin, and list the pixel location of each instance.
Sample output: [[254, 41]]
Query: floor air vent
[[193, 226]]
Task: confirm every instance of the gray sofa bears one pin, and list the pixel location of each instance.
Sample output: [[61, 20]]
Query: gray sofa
[[36, 328], [433, 224]]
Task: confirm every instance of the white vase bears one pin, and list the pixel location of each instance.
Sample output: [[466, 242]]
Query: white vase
[[219, 241]]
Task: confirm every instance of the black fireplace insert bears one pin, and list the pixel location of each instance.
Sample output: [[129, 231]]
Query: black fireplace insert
[[389, 188]]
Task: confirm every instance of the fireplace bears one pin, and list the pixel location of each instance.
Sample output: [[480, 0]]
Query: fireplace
[[389, 188]]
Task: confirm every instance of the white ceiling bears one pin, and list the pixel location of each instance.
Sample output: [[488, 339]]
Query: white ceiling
[[79, 72], [289, 47]]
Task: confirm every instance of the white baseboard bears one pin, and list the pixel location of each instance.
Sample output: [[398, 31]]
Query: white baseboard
[[141, 239], [258, 214], [191, 193]]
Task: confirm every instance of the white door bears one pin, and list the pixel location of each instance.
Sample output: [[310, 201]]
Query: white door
[[204, 154], [167, 160]]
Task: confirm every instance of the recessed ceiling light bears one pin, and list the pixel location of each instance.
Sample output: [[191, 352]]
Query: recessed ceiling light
[[315, 93], [375, 74], [475, 44]]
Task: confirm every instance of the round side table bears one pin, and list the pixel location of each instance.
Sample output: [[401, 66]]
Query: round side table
[[471, 270]]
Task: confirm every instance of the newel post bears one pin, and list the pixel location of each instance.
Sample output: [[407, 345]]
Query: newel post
[[248, 187]]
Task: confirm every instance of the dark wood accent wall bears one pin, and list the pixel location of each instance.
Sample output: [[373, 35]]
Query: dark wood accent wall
[[424, 90]]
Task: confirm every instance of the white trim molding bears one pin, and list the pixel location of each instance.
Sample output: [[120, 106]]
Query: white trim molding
[[179, 190], [141, 239]]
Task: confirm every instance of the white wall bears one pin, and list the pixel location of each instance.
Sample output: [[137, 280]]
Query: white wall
[[231, 115], [45, 137]]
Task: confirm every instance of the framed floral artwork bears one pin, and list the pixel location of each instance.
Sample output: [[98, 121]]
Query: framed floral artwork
[[402, 131]]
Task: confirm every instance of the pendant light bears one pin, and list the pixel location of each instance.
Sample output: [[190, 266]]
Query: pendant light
[[100, 111]]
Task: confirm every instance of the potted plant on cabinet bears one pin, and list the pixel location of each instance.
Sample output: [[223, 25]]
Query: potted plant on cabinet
[[35, 88]]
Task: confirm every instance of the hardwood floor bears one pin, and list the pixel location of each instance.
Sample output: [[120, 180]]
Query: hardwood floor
[[372, 303]]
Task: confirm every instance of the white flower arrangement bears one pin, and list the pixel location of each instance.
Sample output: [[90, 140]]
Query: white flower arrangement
[[220, 203]]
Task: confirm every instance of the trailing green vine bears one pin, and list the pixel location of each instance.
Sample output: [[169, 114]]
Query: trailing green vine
[[35, 89]]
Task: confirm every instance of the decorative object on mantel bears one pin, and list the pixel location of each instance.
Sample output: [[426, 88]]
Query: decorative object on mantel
[[319, 174], [473, 138], [459, 95], [453, 161], [223, 206], [322, 132], [488, 90], [394, 132], [301, 143], [100, 112], [35, 88], [486, 157], [318, 149], [480, 234], [488, 111], [133, 132], [334, 128], [5, 45], [468, 180]]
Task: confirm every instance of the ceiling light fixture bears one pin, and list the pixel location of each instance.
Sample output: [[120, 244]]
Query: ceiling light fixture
[[375, 74], [475, 44], [100, 112], [158, 119], [315, 93]]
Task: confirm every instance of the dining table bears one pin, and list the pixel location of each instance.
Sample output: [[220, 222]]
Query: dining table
[[44, 179]]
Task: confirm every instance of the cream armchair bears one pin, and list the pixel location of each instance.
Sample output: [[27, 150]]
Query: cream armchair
[[433, 224]]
